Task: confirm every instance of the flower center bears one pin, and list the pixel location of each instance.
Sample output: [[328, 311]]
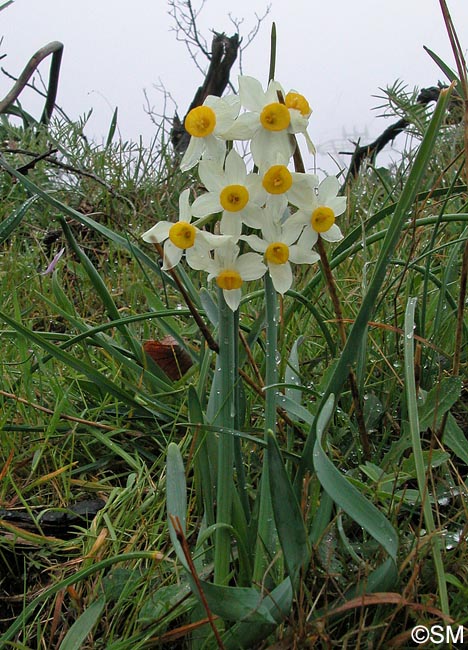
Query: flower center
[[234, 198], [277, 253], [277, 180], [299, 103], [275, 117], [200, 121], [229, 279], [322, 219], [182, 234]]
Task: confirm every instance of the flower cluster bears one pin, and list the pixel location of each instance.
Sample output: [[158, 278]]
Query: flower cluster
[[287, 210]]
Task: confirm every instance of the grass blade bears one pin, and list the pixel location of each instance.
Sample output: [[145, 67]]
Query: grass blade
[[415, 428], [346, 495], [402, 209], [287, 513], [13, 220], [83, 625]]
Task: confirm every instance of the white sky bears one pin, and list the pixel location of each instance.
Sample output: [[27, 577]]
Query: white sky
[[338, 53]]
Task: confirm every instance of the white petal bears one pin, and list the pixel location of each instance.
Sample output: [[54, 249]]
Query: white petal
[[333, 234], [158, 233], [250, 266], [198, 257], [226, 112], [276, 207], [257, 244], [185, 213], [282, 277], [244, 127], [215, 149], [226, 255], [271, 229], [232, 298], [172, 255], [206, 204], [302, 255], [231, 224], [251, 93], [211, 174], [236, 173], [291, 231], [257, 194], [302, 192], [338, 205], [310, 144], [328, 189], [271, 95], [300, 217], [252, 216], [308, 238], [298, 123], [193, 153], [210, 240], [267, 146]]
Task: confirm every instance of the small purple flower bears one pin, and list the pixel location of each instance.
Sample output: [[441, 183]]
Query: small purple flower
[[53, 264]]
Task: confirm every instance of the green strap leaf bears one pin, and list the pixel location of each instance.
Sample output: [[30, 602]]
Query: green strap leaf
[[287, 513], [83, 625], [248, 603], [346, 495], [15, 218], [176, 497], [439, 400]]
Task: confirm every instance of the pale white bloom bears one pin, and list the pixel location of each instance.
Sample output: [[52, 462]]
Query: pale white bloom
[[207, 124], [283, 186], [268, 123], [230, 270], [318, 216], [279, 248], [232, 191], [181, 236]]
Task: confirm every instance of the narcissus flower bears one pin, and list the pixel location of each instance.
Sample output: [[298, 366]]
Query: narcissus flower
[[230, 270], [268, 122], [206, 124], [279, 249], [184, 236], [283, 186], [238, 195], [319, 215]]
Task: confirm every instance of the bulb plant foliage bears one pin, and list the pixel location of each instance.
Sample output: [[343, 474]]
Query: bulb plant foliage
[[263, 223]]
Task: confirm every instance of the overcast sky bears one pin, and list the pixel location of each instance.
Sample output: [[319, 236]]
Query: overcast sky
[[338, 53]]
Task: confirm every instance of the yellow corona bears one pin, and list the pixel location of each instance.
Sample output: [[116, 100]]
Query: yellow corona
[[322, 219], [277, 253], [200, 121], [275, 117], [277, 180], [229, 280], [182, 234]]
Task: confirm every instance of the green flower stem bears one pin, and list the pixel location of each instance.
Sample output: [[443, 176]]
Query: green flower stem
[[226, 418], [412, 405], [266, 532]]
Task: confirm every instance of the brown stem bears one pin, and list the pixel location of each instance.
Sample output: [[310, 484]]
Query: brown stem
[[188, 557], [212, 344], [62, 416], [459, 329], [460, 310]]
